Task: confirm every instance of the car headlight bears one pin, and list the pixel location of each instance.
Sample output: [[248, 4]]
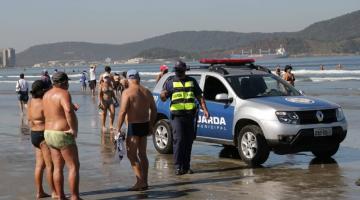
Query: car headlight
[[287, 117], [339, 114]]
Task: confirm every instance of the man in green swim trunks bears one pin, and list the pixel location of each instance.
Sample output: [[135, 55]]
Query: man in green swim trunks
[[61, 127]]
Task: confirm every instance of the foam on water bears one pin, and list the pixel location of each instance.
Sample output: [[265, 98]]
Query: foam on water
[[26, 76], [149, 73], [15, 81], [323, 79], [324, 72]]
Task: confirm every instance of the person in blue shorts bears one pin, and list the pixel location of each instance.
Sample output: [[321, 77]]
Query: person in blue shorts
[[83, 81]]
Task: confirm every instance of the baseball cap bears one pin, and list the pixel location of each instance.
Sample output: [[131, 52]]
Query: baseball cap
[[60, 77], [133, 74], [164, 67], [180, 66]]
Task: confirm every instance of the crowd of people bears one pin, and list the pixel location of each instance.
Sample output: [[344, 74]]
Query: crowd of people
[[54, 130]]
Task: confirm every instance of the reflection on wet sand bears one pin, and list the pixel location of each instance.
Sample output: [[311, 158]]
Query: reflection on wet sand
[[321, 180], [24, 126], [107, 146]]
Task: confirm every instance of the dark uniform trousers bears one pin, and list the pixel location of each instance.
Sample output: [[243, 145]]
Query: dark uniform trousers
[[183, 137]]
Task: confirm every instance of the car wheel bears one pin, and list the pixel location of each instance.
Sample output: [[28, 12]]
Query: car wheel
[[326, 153], [162, 137], [252, 145]]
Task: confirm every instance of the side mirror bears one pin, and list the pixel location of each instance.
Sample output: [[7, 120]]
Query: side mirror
[[223, 97], [302, 92]]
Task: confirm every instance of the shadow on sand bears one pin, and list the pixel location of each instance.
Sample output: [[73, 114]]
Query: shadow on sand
[[160, 194], [163, 194]]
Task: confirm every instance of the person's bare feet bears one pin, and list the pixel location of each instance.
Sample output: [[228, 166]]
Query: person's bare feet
[[42, 195], [139, 187], [75, 198], [54, 195]]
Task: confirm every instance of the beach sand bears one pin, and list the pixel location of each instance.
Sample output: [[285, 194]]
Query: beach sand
[[216, 176]]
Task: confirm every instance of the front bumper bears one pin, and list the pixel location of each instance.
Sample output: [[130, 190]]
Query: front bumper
[[305, 140]]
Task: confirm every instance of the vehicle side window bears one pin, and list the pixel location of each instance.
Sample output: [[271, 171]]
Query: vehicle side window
[[213, 86], [196, 77]]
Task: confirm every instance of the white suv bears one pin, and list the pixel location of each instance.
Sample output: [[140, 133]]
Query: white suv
[[255, 111]]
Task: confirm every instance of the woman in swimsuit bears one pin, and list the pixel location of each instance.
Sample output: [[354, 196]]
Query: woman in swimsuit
[[42, 151], [107, 101], [288, 76]]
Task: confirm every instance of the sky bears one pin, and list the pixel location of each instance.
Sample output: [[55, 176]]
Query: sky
[[24, 23]]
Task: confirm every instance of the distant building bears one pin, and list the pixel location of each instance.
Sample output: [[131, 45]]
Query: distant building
[[8, 58]]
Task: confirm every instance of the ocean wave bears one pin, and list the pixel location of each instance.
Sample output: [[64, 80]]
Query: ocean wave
[[324, 72], [150, 80], [14, 81], [149, 73], [26, 76], [331, 79], [74, 75]]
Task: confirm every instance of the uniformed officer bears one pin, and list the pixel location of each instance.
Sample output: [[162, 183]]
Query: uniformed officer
[[182, 90]]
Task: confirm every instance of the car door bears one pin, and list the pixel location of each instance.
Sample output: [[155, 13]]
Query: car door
[[219, 125]]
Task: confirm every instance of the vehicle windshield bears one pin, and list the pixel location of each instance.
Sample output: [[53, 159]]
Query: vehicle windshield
[[254, 86]]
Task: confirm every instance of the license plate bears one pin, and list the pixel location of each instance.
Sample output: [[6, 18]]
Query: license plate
[[319, 132]]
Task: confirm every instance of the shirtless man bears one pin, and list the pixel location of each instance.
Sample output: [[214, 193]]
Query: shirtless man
[[117, 84], [136, 102], [61, 127]]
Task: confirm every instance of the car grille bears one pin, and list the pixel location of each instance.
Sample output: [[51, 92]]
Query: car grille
[[309, 117], [305, 138]]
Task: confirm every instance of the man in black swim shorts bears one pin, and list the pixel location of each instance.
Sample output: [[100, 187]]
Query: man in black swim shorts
[[136, 102]]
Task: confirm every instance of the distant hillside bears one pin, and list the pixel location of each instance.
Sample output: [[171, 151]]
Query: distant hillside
[[335, 36], [337, 29], [162, 53]]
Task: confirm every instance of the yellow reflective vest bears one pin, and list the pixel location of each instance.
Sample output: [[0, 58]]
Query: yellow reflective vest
[[182, 98]]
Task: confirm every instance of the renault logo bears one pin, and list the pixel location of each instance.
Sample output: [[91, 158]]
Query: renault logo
[[319, 116]]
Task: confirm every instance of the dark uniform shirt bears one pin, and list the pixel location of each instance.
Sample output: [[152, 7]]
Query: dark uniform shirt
[[169, 86]]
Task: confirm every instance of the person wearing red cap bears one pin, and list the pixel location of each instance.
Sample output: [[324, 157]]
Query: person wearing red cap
[[163, 70]]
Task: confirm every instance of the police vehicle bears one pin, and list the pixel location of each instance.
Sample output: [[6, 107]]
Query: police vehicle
[[255, 111]]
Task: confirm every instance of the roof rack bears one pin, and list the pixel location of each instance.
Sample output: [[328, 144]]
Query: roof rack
[[226, 61], [222, 66]]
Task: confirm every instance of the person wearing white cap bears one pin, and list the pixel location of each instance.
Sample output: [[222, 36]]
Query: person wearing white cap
[[138, 106]]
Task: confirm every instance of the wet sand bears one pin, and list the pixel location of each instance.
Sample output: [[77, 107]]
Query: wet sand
[[217, 175]]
